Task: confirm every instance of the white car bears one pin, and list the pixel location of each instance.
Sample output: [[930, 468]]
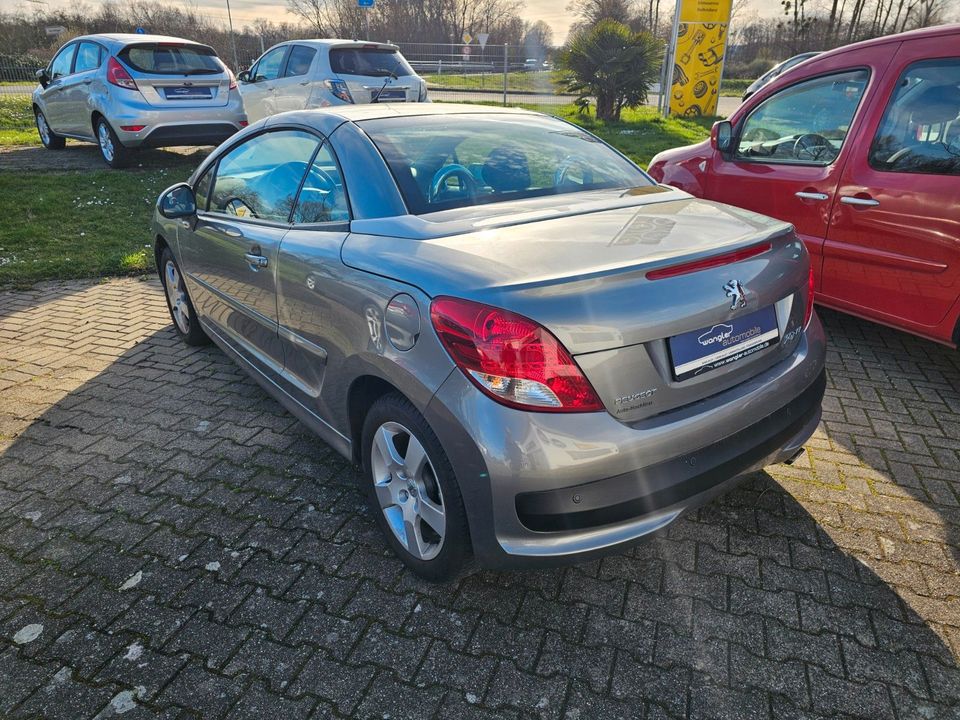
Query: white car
[[301, 74]]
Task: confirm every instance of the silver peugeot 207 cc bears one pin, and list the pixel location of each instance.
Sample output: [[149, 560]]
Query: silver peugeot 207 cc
[[535, 352]]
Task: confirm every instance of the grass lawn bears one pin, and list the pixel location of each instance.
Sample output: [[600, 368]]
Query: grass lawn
[[93, 224], [537, 81], [79, 224], [16, 121], [734, 87]]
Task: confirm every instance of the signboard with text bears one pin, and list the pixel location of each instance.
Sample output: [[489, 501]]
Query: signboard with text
[[699, 47]]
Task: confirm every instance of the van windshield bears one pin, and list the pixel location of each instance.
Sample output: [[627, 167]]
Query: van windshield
[[442, 162]]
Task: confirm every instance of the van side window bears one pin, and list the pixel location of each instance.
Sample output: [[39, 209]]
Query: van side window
[[805, 123], [920, 130]]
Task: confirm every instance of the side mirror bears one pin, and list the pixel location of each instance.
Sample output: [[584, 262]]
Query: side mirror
[[42, 77], [721, 136], [177, 202], [243, 76]]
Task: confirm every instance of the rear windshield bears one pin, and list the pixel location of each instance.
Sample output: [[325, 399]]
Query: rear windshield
[[449, 161], [171, 59], [371, 62]]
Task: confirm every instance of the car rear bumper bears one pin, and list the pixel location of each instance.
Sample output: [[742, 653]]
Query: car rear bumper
[[192, 134], [543, 489], [169, 126]]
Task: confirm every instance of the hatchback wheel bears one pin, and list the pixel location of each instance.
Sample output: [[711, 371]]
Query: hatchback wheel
[[114, 153], [412, 490], [48, 137], [178, 302]]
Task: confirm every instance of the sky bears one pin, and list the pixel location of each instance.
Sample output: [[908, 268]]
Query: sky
[[554, 12]]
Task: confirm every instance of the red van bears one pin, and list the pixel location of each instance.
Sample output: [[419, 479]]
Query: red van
[[860, 149]]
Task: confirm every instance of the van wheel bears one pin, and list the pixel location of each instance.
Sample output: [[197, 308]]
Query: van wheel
[[412, 491], [48, 137], [111, 149]]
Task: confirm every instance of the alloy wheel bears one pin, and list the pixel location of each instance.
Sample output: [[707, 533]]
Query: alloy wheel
[[106, 142], [43, 128], [407, 490], [177, 297]]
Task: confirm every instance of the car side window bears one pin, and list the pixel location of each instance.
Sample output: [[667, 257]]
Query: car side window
[[805, 123], [300, 60], [63, 62], [920, 130], [259, 178], [269, 66], [322, 198], [202, 189], [88, 57]]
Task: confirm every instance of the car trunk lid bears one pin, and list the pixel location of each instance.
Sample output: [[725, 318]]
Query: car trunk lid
[[171, 74], [366, 69]]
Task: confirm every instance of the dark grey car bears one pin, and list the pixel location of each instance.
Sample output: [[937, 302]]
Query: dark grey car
[[536, 353]]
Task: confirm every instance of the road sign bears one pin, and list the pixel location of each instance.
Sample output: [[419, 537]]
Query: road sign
[[141, 31], [365, 3], [482, 39], [53, 30], [467, 38]]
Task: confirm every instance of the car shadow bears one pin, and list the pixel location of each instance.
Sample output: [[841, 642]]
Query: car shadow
[[151, 494], [86, 156]]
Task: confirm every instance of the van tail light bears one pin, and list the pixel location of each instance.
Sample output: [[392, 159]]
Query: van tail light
[[808, 312], [511, 358], [339, 89], [118, 75]]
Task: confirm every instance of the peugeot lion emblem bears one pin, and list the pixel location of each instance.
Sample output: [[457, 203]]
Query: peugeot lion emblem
[[735, 291]]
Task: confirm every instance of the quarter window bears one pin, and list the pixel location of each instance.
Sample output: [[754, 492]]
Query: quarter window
[[806, 123], [322, 198], [62, 62], [202, 190], [260, 178], [920, 130], [301, 58], [88, 57], [269, 66]]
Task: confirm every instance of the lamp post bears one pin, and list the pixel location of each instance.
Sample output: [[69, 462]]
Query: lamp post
[[233, 39]]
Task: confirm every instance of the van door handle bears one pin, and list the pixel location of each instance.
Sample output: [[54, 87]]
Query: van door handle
[[803, 195], [256, 261], [859, 201]]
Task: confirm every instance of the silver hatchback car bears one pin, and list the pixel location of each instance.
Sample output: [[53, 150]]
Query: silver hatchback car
[[534, 351], [131, 91]]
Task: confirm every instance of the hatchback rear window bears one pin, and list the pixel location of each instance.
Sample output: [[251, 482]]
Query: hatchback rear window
[[171, 59], [370, 62]]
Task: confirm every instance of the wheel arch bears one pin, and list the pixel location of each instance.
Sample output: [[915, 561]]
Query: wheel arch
[[363, 393], [159, 245]]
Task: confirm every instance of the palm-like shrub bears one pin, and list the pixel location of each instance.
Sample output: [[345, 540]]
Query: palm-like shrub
[[613, 64]]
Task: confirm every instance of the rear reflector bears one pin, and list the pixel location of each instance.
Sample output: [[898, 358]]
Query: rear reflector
[[132, 128], [710, 262]]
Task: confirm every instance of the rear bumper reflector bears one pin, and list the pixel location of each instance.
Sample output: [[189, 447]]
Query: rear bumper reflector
[[710, 262]]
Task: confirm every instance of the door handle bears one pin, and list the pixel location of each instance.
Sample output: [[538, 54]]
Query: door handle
[[859, 201], [803, 195], [305, 82], [256, 261], [87, 82]]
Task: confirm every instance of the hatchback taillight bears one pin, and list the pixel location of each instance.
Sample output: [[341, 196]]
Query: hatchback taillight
[[118, 75], [339, 89], [808, 312], [511, 358], [233, 80]]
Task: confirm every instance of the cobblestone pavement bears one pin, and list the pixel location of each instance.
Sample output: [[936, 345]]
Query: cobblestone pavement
[[173, 543]]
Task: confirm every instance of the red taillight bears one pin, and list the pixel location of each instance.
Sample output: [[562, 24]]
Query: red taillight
[[511, 358], [710, 262], [233, 80], [808, 312], [118, 75], [244, 123]]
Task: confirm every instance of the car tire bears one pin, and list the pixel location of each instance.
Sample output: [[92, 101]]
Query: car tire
[[405, 499], [48, 137], [184, 317], [113, 152]]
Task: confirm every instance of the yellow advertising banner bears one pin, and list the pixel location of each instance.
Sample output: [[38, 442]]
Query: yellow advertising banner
[[699, 48]]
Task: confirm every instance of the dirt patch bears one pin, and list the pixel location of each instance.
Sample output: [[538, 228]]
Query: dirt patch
[[86, 156]]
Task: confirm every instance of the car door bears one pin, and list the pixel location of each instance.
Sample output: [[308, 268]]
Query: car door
[[790, 149], [76, 89], [893, 248], [292, 89], [257, 92], [311, 289], [230, 253], [54, 109]]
